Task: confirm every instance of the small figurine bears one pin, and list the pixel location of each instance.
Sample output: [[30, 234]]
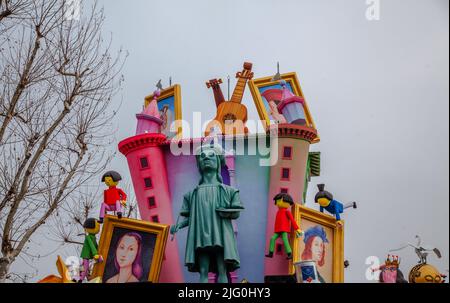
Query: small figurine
[[208, 211], [90, 246], [326, 201], [421, 251], [390, 272], [426, 273], [283, 222], [114, 198]]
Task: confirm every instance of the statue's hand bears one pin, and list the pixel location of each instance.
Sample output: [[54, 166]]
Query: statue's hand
[[174, 229]]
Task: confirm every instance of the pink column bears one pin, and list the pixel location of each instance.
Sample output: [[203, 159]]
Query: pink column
[[151, 188], [299, 139]]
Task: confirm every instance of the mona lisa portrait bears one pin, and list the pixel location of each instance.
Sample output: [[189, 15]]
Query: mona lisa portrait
[[133, 250], [321, 243]]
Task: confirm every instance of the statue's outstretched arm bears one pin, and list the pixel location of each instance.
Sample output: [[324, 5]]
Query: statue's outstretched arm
[[184, 223], [179, 225]]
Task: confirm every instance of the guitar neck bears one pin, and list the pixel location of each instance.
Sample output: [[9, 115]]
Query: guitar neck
[[239, 90], [218, 95]]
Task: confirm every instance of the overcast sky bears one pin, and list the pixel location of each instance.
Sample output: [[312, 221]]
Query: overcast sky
[[378, 91]]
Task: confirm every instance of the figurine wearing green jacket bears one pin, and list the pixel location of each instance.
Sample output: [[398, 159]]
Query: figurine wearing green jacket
[[208, 211], [90, 246]]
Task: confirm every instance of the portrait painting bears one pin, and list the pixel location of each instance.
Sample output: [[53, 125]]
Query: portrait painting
[[267, 99], [132, 251], [322, 243], [169, 106]]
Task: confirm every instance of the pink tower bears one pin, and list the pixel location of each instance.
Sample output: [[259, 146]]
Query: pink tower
[[289, 172], [149, 120], [147, 167], [286, 176]]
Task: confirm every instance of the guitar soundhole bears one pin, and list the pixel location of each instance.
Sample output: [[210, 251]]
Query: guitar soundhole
[[229, 118]]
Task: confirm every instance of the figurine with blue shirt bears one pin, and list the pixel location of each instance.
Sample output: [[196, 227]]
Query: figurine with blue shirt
[[334, 207]]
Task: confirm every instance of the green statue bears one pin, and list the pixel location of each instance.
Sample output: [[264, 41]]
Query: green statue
[[208, 211]]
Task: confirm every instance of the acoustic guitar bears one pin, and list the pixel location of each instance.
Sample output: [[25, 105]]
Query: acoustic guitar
[[232, 115]]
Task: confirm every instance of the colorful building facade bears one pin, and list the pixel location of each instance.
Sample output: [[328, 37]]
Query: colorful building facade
[[160, 180]]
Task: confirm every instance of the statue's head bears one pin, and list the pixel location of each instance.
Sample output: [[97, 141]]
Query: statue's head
[[210, 158]]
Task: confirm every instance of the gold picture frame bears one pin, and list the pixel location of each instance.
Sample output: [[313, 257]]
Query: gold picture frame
[[304, 215], [157, 233], [170, 96], [256, 85]]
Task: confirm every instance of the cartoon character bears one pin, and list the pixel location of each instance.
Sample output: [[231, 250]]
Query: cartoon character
[[208, 211], [390, 272], [283, 222], [326, 201], [114, 198], [90, 246], [128, 259], [424, 272], [315, 239]]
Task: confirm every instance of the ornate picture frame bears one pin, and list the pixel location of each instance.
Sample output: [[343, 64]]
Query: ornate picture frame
[[258, 86], [308, 218], [169, 105], [150, 253]]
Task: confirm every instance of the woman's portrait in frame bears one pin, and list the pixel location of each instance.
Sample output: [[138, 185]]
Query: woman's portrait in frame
[[132, 249]]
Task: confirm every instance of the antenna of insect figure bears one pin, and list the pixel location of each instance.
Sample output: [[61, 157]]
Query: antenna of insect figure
[[170, 81]]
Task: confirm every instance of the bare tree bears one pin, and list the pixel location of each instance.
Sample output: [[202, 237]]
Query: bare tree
[[11, 9], [57, 80]]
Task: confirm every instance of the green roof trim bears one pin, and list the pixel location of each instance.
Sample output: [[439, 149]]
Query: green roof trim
[[312, 170], [314, 159]]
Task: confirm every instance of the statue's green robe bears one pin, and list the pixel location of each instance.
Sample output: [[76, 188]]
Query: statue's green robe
[[208, 230]]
